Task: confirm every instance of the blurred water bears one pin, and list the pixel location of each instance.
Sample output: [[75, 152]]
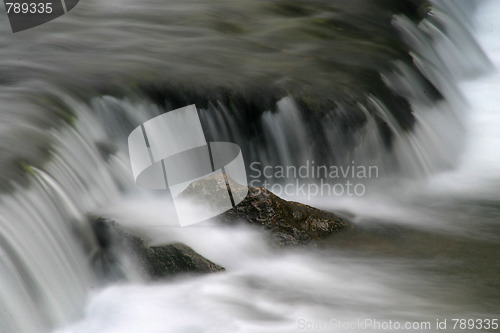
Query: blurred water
[[424, 249], [45, 274]]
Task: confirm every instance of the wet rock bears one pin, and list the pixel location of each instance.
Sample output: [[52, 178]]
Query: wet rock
[[115, 244], [178, 258], [289, 223]]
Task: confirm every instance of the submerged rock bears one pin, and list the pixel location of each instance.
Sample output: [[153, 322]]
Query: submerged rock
[[153, 261]]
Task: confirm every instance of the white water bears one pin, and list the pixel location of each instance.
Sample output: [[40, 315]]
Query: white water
[[44, 273], [424, 250], [401, 263]]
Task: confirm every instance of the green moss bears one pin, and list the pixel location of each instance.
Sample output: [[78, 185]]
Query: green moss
[[58, 108], [27, 168]]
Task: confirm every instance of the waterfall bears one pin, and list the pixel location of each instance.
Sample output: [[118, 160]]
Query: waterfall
[[67, 109], [45, 237], [443, 52]]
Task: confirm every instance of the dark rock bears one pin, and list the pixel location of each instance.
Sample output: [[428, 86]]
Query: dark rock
[[153, 261], [178, 258], [289, 223]]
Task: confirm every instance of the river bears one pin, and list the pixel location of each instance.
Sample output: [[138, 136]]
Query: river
[[423, 255]]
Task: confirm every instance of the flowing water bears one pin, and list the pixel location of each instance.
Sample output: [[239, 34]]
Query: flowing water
[[424, 249]]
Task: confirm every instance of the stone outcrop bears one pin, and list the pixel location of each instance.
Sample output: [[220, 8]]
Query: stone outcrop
[[153, 261], [289, 222]]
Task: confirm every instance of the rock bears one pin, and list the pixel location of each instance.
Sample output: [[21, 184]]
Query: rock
[[178, 258], [153, 261], [289, 222]]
